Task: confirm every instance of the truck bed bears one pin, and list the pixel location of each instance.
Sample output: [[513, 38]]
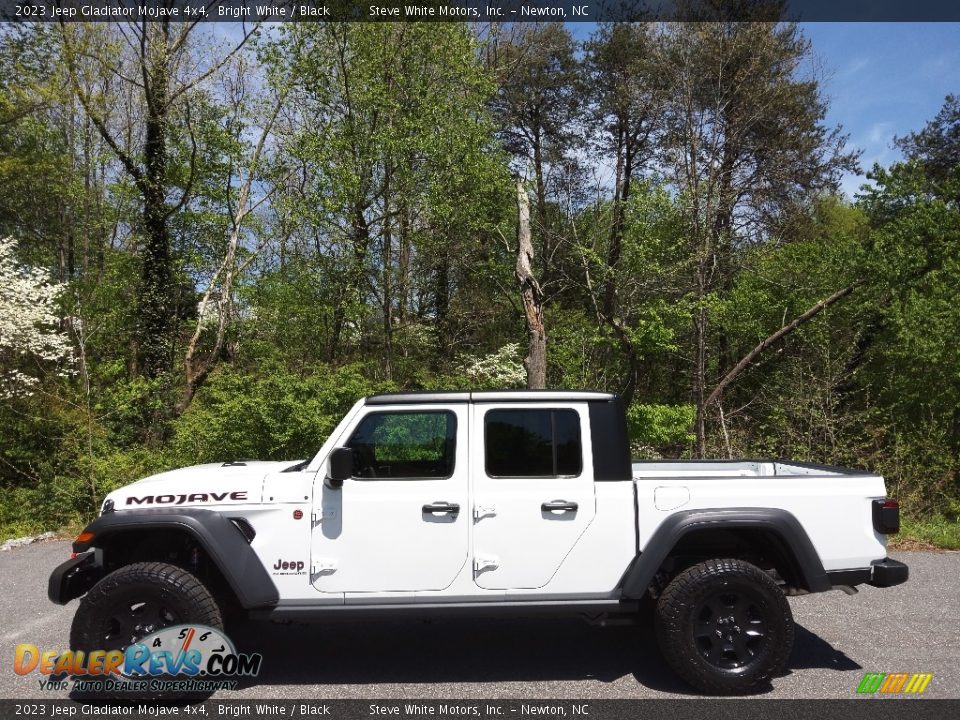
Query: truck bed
[[704, 469], [832, 503]]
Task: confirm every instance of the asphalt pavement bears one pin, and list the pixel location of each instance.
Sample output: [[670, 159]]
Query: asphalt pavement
[[911, 628]]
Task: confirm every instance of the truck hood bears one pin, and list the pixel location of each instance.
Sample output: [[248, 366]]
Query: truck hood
[[214, 484]]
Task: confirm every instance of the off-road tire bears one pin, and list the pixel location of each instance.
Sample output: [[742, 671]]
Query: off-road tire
[[724, 626], [163, 595]]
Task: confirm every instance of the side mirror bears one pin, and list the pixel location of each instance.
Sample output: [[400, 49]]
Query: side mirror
[[341, 467]]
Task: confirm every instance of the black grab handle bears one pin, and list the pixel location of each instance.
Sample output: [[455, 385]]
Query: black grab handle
[[559, 505], [442, 507]]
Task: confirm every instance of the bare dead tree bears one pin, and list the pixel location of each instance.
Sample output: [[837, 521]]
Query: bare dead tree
[[536, 360]]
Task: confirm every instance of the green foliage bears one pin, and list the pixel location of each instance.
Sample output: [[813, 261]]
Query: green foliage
[[780, 282], [937, 145], [57, 461], [915, 257], [939, 531], [273, 415], [658, 428], [131, 410], [577, 352], [399, 161]]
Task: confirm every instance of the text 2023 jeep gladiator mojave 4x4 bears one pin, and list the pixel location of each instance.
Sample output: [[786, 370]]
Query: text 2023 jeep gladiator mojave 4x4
[[513, 503]]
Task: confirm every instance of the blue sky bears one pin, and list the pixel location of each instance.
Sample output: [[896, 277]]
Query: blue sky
[[884, 80]]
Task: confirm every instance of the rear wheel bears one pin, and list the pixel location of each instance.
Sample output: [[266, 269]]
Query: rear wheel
[[724, 626]]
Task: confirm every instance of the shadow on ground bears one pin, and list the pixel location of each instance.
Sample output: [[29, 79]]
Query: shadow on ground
[[812, 651], [478, 651]]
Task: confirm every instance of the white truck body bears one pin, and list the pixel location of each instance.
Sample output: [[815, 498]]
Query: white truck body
[[370, 542], [488, 503]]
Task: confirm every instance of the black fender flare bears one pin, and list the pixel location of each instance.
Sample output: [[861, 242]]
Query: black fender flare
[[640, 574], [220, 538]]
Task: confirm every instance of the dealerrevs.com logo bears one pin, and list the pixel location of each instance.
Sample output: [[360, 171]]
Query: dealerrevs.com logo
[[894, 683], [182, 659]]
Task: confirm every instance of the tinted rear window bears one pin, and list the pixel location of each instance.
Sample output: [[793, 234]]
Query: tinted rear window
[[532, 443]]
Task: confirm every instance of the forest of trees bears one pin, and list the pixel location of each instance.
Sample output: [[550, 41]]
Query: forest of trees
[[212, 243]]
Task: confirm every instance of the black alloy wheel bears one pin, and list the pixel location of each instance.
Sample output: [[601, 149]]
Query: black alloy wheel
[[137, 600], [128, 622], [725, 627], [731, 628]]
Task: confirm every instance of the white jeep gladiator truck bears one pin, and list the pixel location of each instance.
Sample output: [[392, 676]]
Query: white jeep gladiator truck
[[515, 503]]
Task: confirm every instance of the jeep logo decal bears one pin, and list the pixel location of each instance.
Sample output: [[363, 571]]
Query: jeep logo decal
[[181, 499], [295, 566]]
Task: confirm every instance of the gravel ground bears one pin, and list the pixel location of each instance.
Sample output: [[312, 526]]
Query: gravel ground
[[911, 628]]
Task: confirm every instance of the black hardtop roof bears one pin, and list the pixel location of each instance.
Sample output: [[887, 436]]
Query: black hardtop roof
[[454, 396]]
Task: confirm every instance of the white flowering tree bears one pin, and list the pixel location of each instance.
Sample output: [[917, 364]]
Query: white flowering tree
[[29, 332], [500, 369]]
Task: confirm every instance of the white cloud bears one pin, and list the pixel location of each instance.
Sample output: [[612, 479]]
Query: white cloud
[[880, 133], [854, 67]]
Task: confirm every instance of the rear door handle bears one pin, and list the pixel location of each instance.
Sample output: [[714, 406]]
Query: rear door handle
[[441, 507], [559, 505]]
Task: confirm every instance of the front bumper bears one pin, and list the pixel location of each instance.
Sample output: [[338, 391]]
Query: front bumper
[[887, 573], [74, 577]]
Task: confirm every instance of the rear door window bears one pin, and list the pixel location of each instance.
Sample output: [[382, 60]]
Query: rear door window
[[537, 442]]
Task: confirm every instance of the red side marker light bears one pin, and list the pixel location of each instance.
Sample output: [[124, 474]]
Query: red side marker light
[[297, 514]]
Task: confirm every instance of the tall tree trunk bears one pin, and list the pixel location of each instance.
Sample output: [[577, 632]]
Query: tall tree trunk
[[354, 279], [336, 327], [541, 191], [441, 301], [155, 316], [403, 264], [386, 260], [621, 196], [723, 244], [633, 362], [700, 360], [621, 184], [536, 360], [159, 84]]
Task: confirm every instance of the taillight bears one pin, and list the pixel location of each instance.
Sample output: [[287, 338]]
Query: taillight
[[886, 516]]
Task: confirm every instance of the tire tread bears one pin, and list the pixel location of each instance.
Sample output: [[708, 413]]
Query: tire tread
[[675, 603], [204, 608]]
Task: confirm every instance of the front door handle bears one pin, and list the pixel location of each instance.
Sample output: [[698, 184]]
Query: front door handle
[[559, 505], [441, 507]]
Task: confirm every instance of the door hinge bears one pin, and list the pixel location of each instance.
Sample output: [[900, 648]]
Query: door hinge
[[480, 511], [481, 563], [323, 565]]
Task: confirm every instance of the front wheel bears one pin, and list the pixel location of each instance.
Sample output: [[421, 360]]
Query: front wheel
[[137, 600], [724, 626]]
